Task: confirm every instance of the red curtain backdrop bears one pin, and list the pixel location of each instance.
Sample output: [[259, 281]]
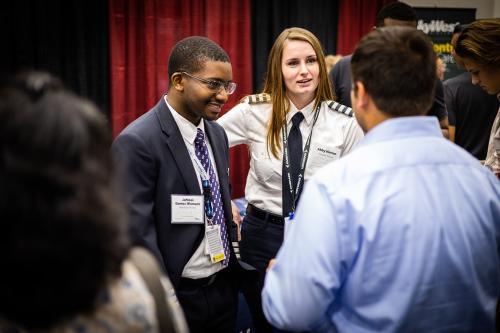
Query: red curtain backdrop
[[142, 33], [356, 19]]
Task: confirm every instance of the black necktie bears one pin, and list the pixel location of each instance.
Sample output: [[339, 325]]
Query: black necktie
[[295, 155]]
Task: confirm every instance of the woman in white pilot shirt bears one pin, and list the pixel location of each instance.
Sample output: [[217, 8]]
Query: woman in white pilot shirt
[[297, 81]]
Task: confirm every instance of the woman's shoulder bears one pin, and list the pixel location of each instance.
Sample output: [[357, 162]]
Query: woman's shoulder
[[255, 106], [257, 99], [125, 305], [335, 108]]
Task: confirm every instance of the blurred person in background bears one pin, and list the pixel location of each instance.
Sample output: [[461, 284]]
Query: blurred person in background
[[393, 14], [479, 48], [331, 60], [471, 110]]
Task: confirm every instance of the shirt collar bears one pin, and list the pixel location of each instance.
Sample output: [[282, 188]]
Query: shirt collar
[[307, 111], [403, 127], [187, 129]]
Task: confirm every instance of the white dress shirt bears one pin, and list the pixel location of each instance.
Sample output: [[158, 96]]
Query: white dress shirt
[[334, 135], [199, 265]]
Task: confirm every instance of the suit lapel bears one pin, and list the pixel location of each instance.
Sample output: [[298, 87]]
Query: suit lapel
[[177, 146]]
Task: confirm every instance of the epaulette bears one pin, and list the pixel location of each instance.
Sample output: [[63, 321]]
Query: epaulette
[[257, 99], [340, 108]]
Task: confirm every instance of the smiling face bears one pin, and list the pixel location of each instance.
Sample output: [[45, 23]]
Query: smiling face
[[199, 100], [486, 77], [300, 70]]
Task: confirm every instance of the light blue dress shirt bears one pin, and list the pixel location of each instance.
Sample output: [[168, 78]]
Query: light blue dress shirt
[[400, 235]]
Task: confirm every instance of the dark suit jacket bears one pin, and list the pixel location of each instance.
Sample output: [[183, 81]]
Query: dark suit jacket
[[154, 163]]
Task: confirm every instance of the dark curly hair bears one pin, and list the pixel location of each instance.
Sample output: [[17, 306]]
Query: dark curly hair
[[191, 53], [397, 11], [62, 233]]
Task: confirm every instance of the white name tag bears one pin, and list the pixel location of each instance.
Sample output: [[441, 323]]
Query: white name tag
[[187, 209], [327, 153], [214, 245]]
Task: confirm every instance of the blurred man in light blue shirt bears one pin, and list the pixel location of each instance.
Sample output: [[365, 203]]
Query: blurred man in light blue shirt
[[402, 234]]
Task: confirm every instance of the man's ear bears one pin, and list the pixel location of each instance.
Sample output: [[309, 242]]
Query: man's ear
[[360, 95], [177, 82]]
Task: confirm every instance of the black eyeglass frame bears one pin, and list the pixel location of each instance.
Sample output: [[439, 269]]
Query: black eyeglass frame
[[216, 86]]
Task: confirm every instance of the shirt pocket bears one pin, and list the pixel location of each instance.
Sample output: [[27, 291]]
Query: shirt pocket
[[320, 155], [263, 164]]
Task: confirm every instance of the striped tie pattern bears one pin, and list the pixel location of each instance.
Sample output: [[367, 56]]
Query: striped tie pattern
[[201, 152]]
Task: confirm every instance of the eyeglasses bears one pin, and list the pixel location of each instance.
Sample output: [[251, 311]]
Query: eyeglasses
[[215, 86]]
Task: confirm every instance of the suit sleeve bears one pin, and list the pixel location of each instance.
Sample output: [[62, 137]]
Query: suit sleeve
[[137, 171]]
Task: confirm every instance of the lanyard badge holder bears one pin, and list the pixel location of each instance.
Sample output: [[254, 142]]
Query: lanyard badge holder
[[214, 247]]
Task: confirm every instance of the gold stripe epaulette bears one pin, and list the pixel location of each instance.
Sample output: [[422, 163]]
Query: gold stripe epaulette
[[340, 108], [257, 99]]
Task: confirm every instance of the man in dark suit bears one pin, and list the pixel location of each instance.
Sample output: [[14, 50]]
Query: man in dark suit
[[174, 166]]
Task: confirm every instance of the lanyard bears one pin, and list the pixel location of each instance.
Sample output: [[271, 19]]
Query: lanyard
[[303, 161], [207, 188]]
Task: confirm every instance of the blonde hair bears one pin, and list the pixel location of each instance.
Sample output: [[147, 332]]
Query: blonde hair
[[274, 84], [331, 60]]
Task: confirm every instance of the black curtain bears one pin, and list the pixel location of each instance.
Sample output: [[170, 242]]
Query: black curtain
[[68, 38], [270, 17]]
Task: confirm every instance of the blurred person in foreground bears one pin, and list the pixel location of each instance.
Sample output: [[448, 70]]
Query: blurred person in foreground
[[479, 48], [396, 236], [393, 14], [63, 239]]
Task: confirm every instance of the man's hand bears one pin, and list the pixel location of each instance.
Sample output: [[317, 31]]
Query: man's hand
[[271, 264], [445, 127], [236, 218]]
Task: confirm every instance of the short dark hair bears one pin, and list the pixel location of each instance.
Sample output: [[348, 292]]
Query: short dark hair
[[397, 66], [191, 53], [62, 233], [396, 10], [480, 41]]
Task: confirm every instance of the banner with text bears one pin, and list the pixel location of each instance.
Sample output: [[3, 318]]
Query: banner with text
[[438, 24]]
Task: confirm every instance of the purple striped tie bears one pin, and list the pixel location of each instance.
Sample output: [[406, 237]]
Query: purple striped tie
[[201, 151]]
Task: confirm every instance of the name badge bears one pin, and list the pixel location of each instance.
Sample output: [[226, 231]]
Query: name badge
[[214, 245], [327, 154], [187, 209]]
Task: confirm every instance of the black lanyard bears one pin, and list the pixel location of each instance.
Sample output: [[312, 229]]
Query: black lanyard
[[303, 160]]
